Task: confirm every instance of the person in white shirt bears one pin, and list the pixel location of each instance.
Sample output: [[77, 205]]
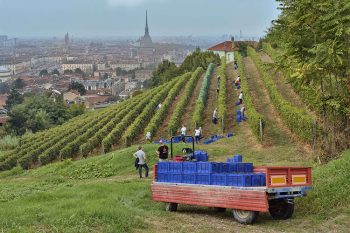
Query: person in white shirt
[[141, 156], [197, 135], [148, 136], [215, 116], [183, 133], [240, 97]]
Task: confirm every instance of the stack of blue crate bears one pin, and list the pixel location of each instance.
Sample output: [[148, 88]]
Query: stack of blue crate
[[200, 156], [232, 173]]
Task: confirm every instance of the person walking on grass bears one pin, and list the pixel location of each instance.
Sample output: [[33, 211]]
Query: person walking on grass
[[243, 112], [148, 136], [197, 135], [183, 133], [141, 156], [215, 116], [240, 97], [162, 152]]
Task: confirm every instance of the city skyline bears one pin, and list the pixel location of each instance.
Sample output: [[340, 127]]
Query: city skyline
[[125, 18]]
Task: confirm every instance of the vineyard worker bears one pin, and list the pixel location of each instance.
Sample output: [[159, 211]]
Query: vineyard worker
[[243, 112], [183, 133], [215, 116], [142, 161], [197, 135], [240, 97], [148, 136], [235, 65], [218, 83], [237, 81], [162, 152]]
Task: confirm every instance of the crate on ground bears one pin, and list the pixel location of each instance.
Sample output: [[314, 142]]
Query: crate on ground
[[203, 179], [175, 177], [189, 167], [204, 167], [162, 177], [230, 135], [189, 140], [163, 167], [175, 167], [218, 179], [189, 178]]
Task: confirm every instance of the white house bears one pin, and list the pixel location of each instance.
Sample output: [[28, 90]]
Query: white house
[[224, 49]]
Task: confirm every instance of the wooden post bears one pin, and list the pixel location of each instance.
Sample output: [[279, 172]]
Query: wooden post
[[261, 130]]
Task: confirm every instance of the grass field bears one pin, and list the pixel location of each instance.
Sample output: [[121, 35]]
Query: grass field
[[104, 194]]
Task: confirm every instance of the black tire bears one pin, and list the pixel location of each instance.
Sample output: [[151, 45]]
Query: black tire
[[281, 209], [245, 216], [171, 207], [219, 209]]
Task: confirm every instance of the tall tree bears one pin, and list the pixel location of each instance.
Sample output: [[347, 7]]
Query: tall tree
[[14, 98]]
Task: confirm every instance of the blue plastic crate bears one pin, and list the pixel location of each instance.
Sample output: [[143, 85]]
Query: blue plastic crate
[[189, 167], [232, 179], [240, 180], [201, 157], [163, 167], [175, 167], [218, 179], [248, 167], [189, 178], [232, 168], [256, 180], [238, 113], [162, 177], [220, 167], [175, 178], [237, 159], [245, 180], [230, 135], [204, 167], [240, 167], [203, 179], [188, 140]]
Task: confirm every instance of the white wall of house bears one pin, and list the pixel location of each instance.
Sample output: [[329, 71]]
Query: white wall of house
[[230, 56]]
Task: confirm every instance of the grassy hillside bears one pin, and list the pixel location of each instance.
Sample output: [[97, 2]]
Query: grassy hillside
[[104, 194]]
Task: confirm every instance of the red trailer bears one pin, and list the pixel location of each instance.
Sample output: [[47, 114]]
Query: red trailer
[[283, 184]]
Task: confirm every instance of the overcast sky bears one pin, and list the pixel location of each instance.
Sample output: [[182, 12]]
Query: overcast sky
[[114, 18]]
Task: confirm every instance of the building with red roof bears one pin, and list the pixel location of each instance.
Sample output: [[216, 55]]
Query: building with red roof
[[224, 49]]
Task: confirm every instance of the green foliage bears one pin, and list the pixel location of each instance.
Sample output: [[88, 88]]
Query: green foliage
[[13, 99], [296, 119], [199, 59], [253, 116], [330, 190], [18, 84], [201, 102], [222, 108], [165, 72], [175, 119], [78, 87], [8, 142], [36, 113], [43, 72]]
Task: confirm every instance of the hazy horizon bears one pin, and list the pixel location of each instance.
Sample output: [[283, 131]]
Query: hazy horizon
[[126, 18]]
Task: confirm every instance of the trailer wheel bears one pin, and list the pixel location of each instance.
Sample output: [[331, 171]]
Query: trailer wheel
[[245, 216], [171, 207], [281, 209]]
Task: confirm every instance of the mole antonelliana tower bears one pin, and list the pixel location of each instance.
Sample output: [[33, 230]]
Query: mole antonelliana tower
[[146, 40]]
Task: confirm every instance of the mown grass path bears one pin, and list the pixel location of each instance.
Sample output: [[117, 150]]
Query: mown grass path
[[209, 128], [231, 98]]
